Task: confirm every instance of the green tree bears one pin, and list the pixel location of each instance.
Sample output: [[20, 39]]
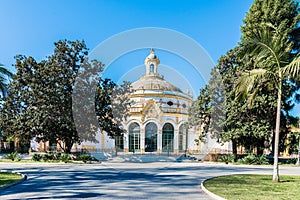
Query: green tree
[[249, 127], [230, 120], [101, 110], [41, 98], [270, 40], [200, 112], [272, 67], [4, 75], [282, 14], [112, 106], [40, 101]]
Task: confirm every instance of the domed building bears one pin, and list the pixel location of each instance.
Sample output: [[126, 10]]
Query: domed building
[[157, 122], [158, 115]]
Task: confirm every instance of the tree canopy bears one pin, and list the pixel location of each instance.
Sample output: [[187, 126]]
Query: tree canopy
[[40, 100], [253, 126]]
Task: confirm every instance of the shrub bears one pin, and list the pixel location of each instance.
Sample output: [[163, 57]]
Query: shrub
[[85, 157], [226, 158], [291, 161], [57, 156], [252, 159], [13, 156], [261, 160], [48, 156], [36, 157], [65, 158]]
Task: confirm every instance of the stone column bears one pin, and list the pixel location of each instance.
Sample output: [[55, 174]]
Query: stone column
[[159, 141], [175, 140], [126, 143], [142, 140], [186, 139]]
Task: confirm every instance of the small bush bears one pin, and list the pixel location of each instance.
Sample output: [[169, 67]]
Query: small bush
[[57, 156], [252, 159], [36, 157], [52, 157], [65, 158], [226, 158], [48, 156], [261, 160], [13, 156], [85, 157], [291, 161]]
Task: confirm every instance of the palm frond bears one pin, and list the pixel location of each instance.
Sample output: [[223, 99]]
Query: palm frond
[[248, 81], [4, 71], [4, 75], [293, 69]]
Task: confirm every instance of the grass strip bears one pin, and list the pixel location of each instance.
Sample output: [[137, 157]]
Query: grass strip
[[254, 187], [7, 178]]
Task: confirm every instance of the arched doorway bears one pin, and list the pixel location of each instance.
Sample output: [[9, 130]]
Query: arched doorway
[[134, 137], [168, 138], [151, 137]]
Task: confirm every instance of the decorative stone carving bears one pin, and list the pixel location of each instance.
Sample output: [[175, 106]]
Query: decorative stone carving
[[152, 112]]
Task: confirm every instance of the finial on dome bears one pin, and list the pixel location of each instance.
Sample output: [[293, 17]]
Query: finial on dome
[[152, 51]]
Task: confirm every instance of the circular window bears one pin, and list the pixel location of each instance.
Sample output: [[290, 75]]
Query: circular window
[[183, 105], [170, 103]]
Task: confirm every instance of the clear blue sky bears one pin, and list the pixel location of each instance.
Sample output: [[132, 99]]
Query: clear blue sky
[[30, 27]]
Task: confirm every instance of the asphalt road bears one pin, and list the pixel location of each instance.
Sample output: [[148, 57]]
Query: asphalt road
[[113, 180]]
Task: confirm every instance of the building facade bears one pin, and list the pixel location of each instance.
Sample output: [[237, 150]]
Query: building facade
[[158, 115]]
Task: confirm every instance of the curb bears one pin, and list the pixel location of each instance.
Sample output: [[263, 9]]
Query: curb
[[24, 177], [210, 194]]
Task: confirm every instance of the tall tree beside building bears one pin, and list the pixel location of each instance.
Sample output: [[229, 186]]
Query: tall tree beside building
[[282, 14], [40, 101], [269, 45], [252, 126]]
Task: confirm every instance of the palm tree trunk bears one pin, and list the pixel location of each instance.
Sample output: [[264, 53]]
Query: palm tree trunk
[[276, 142]]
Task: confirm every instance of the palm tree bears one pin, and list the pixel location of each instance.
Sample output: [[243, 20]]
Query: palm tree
[[271, 52], [4, 74]]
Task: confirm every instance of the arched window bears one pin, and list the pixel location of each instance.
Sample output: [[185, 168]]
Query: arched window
[[152, 67], [183, 133], [119, 142], [151, 137], [168, 138], [134, 137]]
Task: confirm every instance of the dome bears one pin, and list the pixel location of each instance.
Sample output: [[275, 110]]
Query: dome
[[154, 83]]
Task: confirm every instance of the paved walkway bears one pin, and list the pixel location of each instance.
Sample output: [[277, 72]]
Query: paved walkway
[[111, 180]]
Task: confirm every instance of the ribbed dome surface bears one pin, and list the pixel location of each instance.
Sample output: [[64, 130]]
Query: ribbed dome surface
[[154, 83]]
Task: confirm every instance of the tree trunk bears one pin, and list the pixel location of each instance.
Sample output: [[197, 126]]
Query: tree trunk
[[234, 150], [276, 142], [68, 147], [260, 147], [16, 144]]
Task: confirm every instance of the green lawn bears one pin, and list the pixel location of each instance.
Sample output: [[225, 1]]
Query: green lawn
[[251, 187], [7, 178]]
